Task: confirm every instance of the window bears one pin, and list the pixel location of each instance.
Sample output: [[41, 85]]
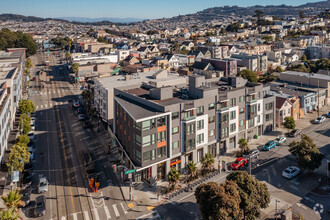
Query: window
[[147, 125], [211, 119], [190, 144], [258, 95], [188, 114], [148, 140], [241, 110], [200, 110], [232, 115], [289, 111], [161, 151], [258, 118], [137, 154], [153, 154], [175, 145], [149, 155], [211, 106], [200, 125], [175, 130], [200, 138], [233, 102], [241, 123], [241, 98], [190, 129], [175, 115], [251, 122], [225, 118], [269, 116], [224, 132], [253, 108], [233, 127], [295, 106], [161, 121], [269, 106], [211, 133], [161, 136], [138, 139], [258, 107]]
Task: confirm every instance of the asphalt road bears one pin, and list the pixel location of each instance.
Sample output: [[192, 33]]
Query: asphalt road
[[60, 141]]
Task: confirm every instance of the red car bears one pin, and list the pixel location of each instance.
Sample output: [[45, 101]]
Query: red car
[[240, 162]]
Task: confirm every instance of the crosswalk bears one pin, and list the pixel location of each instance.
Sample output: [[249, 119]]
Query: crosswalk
[[45, 106], [34, 93], [115, 211]]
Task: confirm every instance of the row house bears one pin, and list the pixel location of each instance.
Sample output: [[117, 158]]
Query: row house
[[164, 127]]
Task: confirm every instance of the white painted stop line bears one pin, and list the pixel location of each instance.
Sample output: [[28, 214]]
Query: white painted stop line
[[116, 210], [86, 215], [107, 213]]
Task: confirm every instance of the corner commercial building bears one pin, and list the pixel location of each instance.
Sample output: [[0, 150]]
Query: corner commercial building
[[164, 127]]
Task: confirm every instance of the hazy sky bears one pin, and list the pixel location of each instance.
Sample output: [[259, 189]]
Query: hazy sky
[[124, 8]]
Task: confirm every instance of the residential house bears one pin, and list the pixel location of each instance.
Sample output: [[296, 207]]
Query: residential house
[[283, 109]]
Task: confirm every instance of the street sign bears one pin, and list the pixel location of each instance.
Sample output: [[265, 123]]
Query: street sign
[[129, 171]]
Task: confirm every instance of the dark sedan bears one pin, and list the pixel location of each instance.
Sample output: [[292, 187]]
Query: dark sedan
[[294, 133]]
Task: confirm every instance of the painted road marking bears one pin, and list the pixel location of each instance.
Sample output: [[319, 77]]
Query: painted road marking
[[41, 106], [107, 213], [116, 210], [86, 216], [74, 215], [96, 214], [123, 208]]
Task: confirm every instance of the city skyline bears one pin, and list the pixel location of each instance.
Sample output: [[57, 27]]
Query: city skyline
[[131, 9]]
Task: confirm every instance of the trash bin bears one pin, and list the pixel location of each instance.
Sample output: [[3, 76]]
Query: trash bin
[[256, 136]]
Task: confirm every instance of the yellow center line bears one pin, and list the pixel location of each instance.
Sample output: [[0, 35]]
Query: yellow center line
[[64, 152]]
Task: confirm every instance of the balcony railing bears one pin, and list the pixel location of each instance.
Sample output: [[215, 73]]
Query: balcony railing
[[189, 118]]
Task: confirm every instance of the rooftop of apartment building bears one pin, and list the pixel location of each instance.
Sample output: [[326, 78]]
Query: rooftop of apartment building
[[292, 89], [7, 72], [310, 75], [14, 54]]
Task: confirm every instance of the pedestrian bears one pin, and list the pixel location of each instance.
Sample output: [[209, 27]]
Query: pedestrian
[[220, 166]]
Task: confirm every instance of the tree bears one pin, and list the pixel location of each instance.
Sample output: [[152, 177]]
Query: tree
[[254, 194], [278, 69], [26, 106], [67, 56], [9, 39], [75, 67], [24, 139], [173, 177], [192, 170], [207, 162], [233, 27], [28, 63], [301, 14], [243, 144], [18, 156], [9, 214], [267, 38], [249, 75], [299, 68], [289, 123], [219, 202], [102, 40], [12, 200], [25, 121], [259, 14], [306, 152]]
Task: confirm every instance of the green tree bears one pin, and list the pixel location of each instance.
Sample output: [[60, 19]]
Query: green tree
[[301, 14], [289, 123], [173, 177], [24, 139], [233, 27], [192, 170], [67, 56], [249, 75], [243, 144], [12, 200], [9, 214], [25, 121], [254, 194], [18, 156], [299, 68], [259, 14], [219, 202], [26, 106], [306, 152], [75, 67], [102, 40], [207, 162], [28, 63], [278, 69], [267, 38], [9, 39]]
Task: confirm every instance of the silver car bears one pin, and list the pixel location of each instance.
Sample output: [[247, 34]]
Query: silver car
[[319, 120], [42, 184]]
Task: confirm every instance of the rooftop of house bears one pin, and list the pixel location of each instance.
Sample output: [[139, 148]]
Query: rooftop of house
[[6, 73], [310, 75]]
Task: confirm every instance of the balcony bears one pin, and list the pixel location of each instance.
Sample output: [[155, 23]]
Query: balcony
[[189, 118], [251, 101], [223, 108]]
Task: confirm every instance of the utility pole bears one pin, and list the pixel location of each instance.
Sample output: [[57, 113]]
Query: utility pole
[[318, 98], [250, 163]]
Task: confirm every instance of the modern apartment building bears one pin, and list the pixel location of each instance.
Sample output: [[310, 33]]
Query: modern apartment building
[[4, 118], [256, 63], [319, 51], [164, 127]]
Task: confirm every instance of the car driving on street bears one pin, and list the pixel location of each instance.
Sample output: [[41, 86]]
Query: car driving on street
[[294, 133], [254, 154], [42, 184], [239, 162], [269, 145], [290, 172], [280, 140], [319, 120]]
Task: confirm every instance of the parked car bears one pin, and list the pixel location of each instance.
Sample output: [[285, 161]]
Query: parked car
[[254, 154], [33, 118], [42, 184], [328, 115], [31, 135], [80, 110], [269, 145], [26, 195], [290, 172], [319, 120], [26, 179], [40, 206], [294, 133], [280, 140], [32, 155], [76, 104], [239, 162], [87, 125], [33, 128], [81, 117]]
